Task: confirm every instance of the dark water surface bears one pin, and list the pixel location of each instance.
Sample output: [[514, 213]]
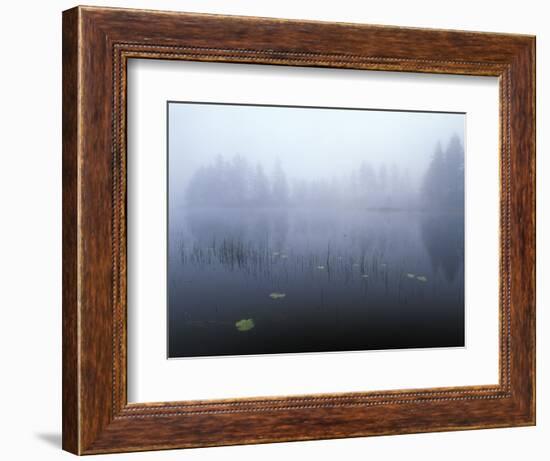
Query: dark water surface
[[266, 281]]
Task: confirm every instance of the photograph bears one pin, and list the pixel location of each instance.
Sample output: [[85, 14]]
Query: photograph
[[295, 229]]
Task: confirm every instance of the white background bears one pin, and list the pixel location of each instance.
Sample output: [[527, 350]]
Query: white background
[[153, 378], [30, 247]]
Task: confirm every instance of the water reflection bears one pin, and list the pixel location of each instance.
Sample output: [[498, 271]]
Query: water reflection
[[304, 280], [443, 237]]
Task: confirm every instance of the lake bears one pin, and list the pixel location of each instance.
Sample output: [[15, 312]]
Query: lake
[[290, 280]]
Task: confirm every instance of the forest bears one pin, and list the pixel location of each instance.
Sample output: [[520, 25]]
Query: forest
[[236, 182]]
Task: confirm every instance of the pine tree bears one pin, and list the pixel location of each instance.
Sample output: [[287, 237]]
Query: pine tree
[[443, 186]]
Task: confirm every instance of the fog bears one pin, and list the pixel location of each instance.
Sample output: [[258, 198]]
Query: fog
[[224, 154], [307, 230]]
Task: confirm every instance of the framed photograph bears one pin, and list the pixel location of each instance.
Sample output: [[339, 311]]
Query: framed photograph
[[313, 246], [281, 230]]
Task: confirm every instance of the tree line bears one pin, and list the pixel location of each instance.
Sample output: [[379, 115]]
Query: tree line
[[443, 183], [235, 182]]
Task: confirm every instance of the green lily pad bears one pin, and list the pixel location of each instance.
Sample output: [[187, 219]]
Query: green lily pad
[[421, 278], [244, 324], [277, 295]]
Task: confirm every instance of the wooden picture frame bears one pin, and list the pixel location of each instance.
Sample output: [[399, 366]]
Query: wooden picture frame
[[97, 43]]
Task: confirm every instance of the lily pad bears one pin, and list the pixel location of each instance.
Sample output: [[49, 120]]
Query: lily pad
[[277, 295], [421, 278], [244, 324], [411, 276], [320, 267], [365, 276]]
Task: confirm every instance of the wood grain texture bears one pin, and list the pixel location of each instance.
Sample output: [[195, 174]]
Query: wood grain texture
[[70, 385], [97, 43]]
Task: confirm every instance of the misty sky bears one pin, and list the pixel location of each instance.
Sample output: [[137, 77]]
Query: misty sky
[[310, 143]]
